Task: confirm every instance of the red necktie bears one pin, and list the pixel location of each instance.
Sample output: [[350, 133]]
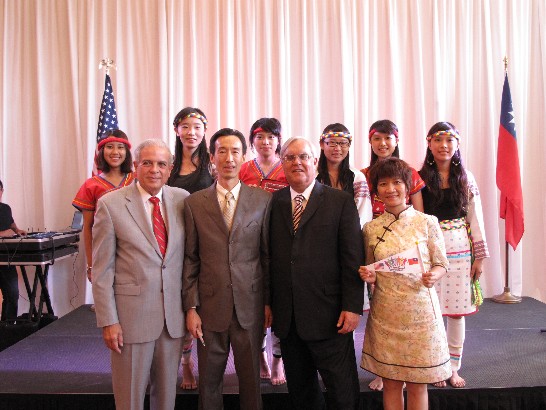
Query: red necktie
[[160, 230]]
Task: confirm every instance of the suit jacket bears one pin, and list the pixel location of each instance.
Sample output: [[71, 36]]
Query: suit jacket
[[227, 270], [314, 273], [132, 283]]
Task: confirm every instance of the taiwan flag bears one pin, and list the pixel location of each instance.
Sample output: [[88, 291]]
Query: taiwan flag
[[508, 175]]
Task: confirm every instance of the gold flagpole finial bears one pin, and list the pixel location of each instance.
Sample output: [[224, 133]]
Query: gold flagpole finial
[[107, 63], [505, 59]]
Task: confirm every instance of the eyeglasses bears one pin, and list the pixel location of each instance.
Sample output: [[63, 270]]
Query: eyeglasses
[[292, 158], [342, 144]]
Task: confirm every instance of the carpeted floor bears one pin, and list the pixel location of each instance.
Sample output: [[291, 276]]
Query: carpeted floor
[[504, 348]]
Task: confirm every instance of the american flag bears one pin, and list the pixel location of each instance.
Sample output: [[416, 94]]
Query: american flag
[[108, 118]]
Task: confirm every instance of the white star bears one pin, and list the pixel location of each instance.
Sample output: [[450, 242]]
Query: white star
[[511, 113]]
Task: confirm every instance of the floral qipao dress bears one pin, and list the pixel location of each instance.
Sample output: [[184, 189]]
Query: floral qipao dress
[[405, 337]]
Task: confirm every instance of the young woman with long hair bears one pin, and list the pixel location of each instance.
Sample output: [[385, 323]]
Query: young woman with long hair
[[451, 194]]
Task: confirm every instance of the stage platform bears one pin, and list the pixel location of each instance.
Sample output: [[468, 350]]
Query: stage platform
[[65, 365]]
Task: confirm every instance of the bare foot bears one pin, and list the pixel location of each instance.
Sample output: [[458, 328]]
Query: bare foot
[[376, 384], [440, 384], [188, 379], [277, 371], [265, 371], [456, 381]]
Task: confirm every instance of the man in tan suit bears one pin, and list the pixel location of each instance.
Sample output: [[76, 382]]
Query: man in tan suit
[[226, 274], [138, 245]]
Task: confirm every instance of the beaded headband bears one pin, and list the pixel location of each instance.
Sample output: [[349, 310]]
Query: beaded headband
[[448, 132], [333, 134], [194, 115], [373, 131], [113, 139]]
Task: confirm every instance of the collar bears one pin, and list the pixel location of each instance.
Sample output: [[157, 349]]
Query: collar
[[221, 191], [306, 194], [146, 196], [406, 213]]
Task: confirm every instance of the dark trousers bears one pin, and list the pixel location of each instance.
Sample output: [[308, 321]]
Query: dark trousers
[[335, 360], [10, 292]]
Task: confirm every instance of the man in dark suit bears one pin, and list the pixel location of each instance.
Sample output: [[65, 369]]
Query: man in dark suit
[[138, 245], [226, 274], [316, 292]]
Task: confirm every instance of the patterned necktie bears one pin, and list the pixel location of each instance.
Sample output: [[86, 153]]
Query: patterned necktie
[[160, 230], [229, 209], [298, 210]]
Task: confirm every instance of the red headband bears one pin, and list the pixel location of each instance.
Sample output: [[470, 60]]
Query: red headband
[[373, 131], [113, 139], [260, 129]]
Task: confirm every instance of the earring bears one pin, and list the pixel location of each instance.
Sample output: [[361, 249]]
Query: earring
[[430, 159], [456, 160]]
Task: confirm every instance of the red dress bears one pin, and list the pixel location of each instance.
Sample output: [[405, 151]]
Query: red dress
[[95, 187], [252, 175]]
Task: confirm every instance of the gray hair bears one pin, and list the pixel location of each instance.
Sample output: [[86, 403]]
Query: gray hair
[[153, 142], [291, 140]]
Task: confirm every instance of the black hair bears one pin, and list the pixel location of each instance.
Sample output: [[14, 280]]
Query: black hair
[[127, 165], [200, 157], [225, 132], [1, 184], [457, 179], [346, 176], [390, 168], [385, 127], [271, 125]]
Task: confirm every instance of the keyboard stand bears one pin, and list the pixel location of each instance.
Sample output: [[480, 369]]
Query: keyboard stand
[[41, 261]]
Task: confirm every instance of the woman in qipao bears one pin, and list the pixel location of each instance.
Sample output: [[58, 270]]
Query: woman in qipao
[[405, 340], [383, 138]]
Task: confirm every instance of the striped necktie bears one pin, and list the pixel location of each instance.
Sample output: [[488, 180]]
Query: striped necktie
[[298, 210], [160, 230], [229, 209]]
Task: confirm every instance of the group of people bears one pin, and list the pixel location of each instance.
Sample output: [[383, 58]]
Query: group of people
[[204, 248]]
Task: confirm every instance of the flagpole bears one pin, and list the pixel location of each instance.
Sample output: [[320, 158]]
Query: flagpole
[[506, 296]]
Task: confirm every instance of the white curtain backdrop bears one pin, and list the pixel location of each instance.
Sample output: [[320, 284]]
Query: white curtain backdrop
[[308, 63]]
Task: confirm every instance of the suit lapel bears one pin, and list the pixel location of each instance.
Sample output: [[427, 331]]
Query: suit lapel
[[285, 208], [171, 217], [212, 208], [315, 200], [243, 203], [138, 213]]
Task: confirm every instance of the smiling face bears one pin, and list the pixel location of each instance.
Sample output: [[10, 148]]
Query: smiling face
[[153, 168], [383, 145], [228, 157], [299, 172], [443, 147], [114, 154], [394, 193], [265, 144], [335, 149], [191, 132]]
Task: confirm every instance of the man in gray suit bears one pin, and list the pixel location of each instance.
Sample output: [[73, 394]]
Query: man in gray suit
[[138, 245], [226, 274]]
